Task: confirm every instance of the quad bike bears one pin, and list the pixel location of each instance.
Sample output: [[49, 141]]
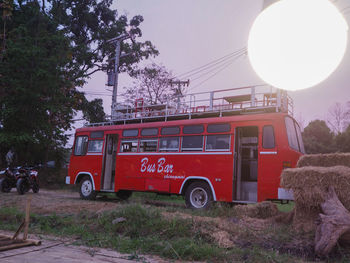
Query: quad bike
[[8, 179], [27, 178]]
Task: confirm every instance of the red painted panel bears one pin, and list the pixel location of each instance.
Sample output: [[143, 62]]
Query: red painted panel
[[158, 185]]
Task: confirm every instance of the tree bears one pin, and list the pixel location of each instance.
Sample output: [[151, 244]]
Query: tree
[[89, 24], [39, 92], [338, 117], [93, 111], [152, 83], [318, 138], [50, 50], [342, 141]]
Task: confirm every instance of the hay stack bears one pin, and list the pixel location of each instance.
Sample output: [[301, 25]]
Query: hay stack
[[260, 210], [310, 184], [325, 160]]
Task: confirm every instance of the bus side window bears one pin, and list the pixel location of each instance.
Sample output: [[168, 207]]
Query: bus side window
[[268, 137], [218, 142], [192, 143], [148, 145], [128, 146], [95, 146], [169, 144], [80, 145]]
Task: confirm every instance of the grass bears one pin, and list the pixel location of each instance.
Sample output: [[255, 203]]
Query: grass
[[286, 207], [144, 231]]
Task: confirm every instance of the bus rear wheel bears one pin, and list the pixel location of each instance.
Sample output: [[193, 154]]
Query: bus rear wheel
[[198, 196], [86, 189]]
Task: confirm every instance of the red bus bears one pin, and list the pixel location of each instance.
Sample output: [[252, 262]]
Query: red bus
[[231, 156]]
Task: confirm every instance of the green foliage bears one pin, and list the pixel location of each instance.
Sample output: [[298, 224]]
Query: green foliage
[[39, 95], [89, 24], [93, 111], [50, 50], [342, 141], [318, 138]]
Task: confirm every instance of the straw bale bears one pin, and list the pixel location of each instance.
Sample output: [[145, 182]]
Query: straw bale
[[260, 210], [310, 185], [325, 160]]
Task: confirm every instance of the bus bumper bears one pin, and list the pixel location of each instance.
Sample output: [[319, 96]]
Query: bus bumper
[[284, 194]]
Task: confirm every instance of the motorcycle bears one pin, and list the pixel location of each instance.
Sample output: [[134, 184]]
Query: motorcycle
[[8, 179], [27, 178]]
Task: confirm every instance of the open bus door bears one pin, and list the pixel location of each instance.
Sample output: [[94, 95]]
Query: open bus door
[[109, 162], [246, 164]]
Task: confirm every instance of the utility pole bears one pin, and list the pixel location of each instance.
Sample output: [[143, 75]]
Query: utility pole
[[178, 93], [117, 42]]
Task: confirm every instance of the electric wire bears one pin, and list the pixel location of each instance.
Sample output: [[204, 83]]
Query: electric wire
[[208, 65], [218, 66], [216, 73]]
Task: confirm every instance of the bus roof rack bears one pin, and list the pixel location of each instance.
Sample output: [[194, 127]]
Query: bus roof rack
[[227, 102]]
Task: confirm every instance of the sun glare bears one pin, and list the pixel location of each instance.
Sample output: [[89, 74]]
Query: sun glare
[[296, 44]]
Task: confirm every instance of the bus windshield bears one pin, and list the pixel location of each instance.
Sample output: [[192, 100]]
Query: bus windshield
[[294, 135]]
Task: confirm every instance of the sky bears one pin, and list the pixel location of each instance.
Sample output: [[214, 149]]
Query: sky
[[189, 34]]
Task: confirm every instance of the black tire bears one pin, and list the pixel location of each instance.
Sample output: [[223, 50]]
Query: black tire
[[35, 187], [21, 186], [123, 194], [86, 189], [198, 196], [5, 185]]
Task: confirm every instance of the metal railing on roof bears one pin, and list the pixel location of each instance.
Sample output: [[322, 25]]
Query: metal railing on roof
[[242, 100]]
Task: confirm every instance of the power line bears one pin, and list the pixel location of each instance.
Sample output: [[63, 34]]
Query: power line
[[213, 75], [208, 65], [218, 66]]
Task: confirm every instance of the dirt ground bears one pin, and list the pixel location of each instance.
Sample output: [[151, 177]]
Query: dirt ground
[[56, 250], [57, 201], [228, 232]]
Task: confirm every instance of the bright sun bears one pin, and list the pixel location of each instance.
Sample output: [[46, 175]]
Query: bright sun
[[296, 44]]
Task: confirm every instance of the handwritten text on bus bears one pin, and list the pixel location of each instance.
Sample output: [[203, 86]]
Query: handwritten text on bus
[[159, 167]]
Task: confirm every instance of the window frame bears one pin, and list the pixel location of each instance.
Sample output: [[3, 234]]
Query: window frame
[[129, 140], [99, 140], [274, 137], [166, 134], [143, 129], [196, 133], [299, 137], [149, 140], [96, 132], [129, 136], [192, 149], [212, 124], [295, 132], [218, 150], [166, 150], [86, 147]]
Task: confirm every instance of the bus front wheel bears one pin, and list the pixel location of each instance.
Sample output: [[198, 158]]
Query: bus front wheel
[[86, 189], [198, 196]]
